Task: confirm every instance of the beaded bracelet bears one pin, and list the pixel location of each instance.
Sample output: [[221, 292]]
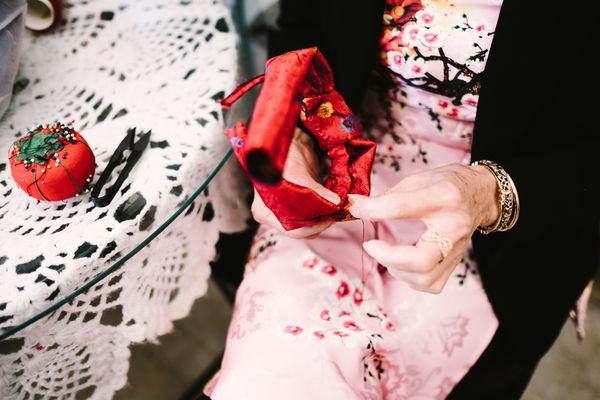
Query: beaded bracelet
[[508, 199]]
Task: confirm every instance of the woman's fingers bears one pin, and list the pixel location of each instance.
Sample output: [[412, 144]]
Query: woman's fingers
[[392, 205], [421, 259], [420, 266], [417, 281]]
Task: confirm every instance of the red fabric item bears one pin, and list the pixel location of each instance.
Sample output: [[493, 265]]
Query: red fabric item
[[299, 86], [66, 172]]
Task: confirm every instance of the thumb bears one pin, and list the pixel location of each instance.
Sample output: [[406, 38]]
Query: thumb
[[301, 167], [325, 193], [300, 175]]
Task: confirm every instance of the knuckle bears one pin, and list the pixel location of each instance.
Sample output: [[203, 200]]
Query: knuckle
[[260, 218], [389, 204], [462, 226], [430, 259], [437, 288], [451, 193], [424, 265], [425, 281]]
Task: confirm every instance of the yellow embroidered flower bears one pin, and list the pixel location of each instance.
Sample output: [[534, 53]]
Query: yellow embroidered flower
[[325, 110], [398, 12]]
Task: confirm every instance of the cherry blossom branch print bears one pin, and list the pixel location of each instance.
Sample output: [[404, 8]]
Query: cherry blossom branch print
[[454, 87]]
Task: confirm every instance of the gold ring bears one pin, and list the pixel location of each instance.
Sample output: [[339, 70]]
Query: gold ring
[[444, 244]]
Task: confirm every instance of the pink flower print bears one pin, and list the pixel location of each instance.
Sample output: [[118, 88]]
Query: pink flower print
[[410, 34], [426, 18], [452, 113], [470, 100], [343, 290], [344, 313], [329, 270], [246, 314], [325, 316], [310, 264], [416, 67], [358, 297], [452, 332], [383, 312], [319, 334], [431, 37], [340, 334], [395, 59], [352, 326], [390, 326], [443, 104], [480, 28], [293, 330], [393, 381]]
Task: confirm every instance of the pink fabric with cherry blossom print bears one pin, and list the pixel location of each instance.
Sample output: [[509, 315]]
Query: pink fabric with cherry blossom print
[[311, 320]]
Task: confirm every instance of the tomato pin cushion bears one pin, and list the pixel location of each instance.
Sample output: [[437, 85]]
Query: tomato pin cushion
[[52, 162]]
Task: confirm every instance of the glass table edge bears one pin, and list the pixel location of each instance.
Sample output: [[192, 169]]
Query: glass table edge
[[11, 331]]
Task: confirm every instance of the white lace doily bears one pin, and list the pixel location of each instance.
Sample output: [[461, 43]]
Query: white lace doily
[[154, 65]]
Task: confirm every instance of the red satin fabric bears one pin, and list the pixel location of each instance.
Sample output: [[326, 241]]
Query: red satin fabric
[[299, 86]]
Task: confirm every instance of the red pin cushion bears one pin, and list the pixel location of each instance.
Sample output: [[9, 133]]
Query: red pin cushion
[[299, 85], [52, 162]]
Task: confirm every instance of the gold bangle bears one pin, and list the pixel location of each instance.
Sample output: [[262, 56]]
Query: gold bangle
[[508, 199], [517, 204]]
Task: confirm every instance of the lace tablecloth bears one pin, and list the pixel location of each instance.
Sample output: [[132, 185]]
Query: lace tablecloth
[[155, 65]]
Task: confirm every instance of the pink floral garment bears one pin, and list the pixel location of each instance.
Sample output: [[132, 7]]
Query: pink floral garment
[[318, 319]]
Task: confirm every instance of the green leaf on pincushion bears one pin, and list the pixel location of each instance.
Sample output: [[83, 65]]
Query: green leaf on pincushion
[[38, 147]]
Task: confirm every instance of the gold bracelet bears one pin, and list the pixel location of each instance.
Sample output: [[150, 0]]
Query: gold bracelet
[[508, 199], [517, 206]]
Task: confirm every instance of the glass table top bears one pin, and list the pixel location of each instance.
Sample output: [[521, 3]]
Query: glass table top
[[117, 264]]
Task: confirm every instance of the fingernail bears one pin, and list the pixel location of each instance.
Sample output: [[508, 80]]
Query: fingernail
[[353, 197], [368, 246], [332, 197], [354, 209], [372, 246]]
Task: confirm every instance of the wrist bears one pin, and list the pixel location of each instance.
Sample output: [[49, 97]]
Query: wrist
[[488, 196]]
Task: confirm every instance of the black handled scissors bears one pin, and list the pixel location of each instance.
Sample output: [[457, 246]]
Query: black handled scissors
[[128, 143]]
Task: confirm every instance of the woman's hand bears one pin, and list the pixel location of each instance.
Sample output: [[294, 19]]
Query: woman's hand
[[302, 168], [452, 201]]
